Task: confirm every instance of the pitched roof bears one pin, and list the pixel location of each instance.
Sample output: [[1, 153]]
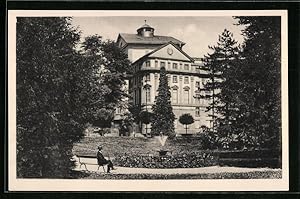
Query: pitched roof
[[156, 39]]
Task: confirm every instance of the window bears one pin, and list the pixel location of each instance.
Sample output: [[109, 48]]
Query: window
[[175, 96], [186, 96], [162, 64], [186, 67], [156, 64], [180, 66], [148, 64], [186, 80], [174, 79], [197, 112], [197, 84], [148, 97], [197, 68], [169, 65], [148, 77], [175, 66]]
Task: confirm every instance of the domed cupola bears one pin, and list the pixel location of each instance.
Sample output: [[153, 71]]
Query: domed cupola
[[145, 30]]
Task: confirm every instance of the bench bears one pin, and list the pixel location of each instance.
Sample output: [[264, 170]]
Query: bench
[[81, 162]]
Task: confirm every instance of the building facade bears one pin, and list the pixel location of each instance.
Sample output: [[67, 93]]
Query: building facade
[[148, 53]]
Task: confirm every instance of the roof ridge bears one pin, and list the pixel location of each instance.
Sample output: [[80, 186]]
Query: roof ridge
[[132, 38]]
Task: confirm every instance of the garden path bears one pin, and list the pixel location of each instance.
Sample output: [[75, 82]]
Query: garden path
[[211, 169]]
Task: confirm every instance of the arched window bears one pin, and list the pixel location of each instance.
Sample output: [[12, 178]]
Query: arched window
[[175, 94], [147, 89], [186, 95]]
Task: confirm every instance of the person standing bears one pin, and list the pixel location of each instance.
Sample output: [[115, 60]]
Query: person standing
[[102, 161]]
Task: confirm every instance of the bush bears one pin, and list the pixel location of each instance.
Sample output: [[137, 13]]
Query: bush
[[208, 140], [192, 160]]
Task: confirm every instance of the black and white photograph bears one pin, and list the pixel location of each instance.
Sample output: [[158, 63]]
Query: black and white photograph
[[148, 100]]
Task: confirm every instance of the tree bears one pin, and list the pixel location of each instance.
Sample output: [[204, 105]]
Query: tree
[[257, 85], [52, 86], [220, 66], [127, 123], [186, 119], [163, 116], [60, 90], [111, 68]]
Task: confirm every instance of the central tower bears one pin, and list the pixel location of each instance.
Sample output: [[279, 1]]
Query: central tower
[[145, 30]]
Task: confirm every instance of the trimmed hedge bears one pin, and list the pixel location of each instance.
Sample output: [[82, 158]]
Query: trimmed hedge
[[168, 161], [253, 158], [262, 153]]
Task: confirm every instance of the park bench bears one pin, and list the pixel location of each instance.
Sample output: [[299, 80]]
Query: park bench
[[82, 162]]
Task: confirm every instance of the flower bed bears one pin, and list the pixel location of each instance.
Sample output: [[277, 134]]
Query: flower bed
[[168, 161]]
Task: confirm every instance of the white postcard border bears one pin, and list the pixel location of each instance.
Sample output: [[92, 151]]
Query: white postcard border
[[15, 184]]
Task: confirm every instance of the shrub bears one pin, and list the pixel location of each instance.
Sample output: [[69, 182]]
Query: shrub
[[209, 140], [192, 160]]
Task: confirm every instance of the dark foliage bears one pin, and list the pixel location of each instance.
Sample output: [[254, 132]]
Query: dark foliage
[[186, 119], [257, 85], [163, 116], [145, 117], [50, 88], [245, 86], [60, 90], [191, 160]]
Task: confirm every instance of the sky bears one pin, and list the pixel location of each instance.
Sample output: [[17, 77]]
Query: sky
[[198, 32]]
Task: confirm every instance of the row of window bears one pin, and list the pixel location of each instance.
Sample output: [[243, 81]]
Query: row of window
[[174, 80], [186, 96], [174, 99], [175, 66]]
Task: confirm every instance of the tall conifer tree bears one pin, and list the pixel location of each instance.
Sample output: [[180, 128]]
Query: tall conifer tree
[[218, 65], [258, 83], [163, 116]]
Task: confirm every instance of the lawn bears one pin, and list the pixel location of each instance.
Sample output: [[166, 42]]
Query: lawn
[[117, 146]]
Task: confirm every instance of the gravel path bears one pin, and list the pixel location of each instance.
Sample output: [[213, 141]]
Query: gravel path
[[212, 169]]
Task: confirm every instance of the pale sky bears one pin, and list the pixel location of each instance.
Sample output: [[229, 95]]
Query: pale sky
[[197, 32]]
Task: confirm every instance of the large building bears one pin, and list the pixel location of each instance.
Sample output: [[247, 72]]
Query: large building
[[148, 53]]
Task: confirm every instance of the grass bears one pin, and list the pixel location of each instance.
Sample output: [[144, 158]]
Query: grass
[[245, 175], [117, 146]]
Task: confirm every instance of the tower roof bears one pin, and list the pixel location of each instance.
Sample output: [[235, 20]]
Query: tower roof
[[145, 26]]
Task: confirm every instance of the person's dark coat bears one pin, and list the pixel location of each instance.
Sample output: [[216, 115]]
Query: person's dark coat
[[100, 158]]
